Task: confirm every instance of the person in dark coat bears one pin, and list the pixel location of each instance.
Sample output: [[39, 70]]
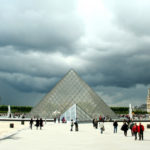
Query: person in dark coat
[[115, 124], [76, 125], [131, 127], [31, 123], [71, 125], [124, 128], [37, 123], [95, 123], [54, 120], [41, 123]]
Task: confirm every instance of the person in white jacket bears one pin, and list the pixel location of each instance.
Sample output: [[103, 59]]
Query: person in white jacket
[[101, 126]]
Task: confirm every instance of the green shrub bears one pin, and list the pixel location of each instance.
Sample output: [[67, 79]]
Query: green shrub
[[15, 109], [120, 110]]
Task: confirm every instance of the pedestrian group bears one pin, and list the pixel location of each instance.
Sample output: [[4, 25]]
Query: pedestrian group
[[38, 123], [136, 130]]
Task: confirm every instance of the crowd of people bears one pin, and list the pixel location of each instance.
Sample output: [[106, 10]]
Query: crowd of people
[[136, 130], [39, 123], [136, 116], [12, 115]]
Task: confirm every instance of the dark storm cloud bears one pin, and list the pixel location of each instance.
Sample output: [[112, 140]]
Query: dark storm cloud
[[28, 83], [120, 70], [29, 72], [33, 64], [116, 96], [11, 96], [41, 40], [39, 27]]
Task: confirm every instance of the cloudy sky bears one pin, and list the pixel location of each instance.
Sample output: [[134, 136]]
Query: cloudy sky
[[106, 41]]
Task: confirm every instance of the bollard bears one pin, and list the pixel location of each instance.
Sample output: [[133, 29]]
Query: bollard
[[148, 126], [11, 125], [22, 122]]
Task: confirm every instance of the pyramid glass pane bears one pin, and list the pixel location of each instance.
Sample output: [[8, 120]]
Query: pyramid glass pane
[[70, 113], [81, 115]]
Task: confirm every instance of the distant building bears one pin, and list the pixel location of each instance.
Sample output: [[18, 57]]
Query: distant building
[[142, 107], [148, 101]]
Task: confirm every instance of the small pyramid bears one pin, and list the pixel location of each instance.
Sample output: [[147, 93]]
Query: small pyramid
[[75, 113], [70, 90]]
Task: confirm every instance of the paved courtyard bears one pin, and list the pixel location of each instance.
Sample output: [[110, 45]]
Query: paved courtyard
[[5, 130], [58, 137]]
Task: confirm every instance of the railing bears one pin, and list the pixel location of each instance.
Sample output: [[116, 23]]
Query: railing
[[23, 119]]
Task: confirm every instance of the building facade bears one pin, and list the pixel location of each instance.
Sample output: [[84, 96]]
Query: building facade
[[148, 101]]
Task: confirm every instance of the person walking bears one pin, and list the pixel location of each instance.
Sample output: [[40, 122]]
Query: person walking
[[93, 121], [101, 126], [76, 125], [31, 123], [55, 120], [140, 131], [59, 119], [124, 128], [131, 126], [135, 130], [96, 123], [71, 125], [37, 123], [115, 124], [41, 123]]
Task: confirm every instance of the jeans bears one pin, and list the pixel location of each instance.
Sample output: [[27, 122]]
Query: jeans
[[101, 130], [115, 129], [141, 136], [135, 133]]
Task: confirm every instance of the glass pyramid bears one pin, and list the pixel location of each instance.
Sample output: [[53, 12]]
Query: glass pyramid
[[70, 90]]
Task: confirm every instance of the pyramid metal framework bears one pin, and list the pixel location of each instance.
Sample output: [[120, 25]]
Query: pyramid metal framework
[[70, 90]]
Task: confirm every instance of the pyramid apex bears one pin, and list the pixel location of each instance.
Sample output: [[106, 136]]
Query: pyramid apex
[[71, 71]]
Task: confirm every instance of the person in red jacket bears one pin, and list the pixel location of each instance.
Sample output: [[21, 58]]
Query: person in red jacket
[[140, 131], [135, 130]]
